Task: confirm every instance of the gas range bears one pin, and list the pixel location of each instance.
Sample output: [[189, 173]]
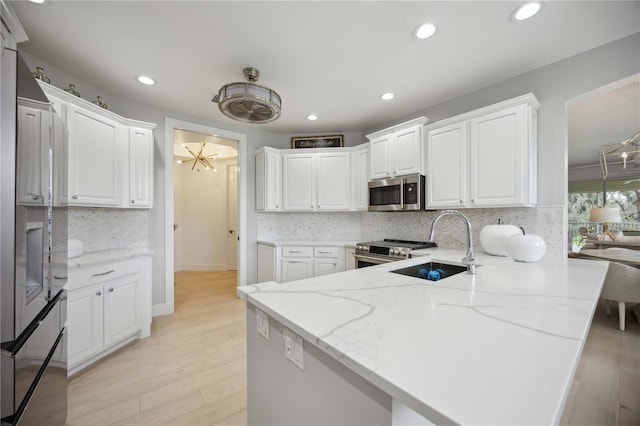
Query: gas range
[[390, 250]]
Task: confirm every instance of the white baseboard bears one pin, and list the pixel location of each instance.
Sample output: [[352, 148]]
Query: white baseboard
[[162, 309]]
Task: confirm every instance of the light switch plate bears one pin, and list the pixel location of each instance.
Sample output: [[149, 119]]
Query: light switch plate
[[293, 348], [262, 320]]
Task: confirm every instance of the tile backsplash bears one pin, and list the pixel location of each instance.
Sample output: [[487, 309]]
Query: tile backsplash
[[450, 232], [106, 229]]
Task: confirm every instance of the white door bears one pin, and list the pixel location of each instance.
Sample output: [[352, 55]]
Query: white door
[[232, 217]]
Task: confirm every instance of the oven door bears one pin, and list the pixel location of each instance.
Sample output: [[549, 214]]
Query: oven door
[[386, 195], [364, 261]]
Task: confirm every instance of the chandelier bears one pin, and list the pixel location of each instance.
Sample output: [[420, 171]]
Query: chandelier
[[249, 102], [627, 151], [199, 158]]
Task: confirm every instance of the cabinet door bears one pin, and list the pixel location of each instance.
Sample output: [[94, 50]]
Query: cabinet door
[[407, 152], [266, 263], [447, 166], [497, 158], [60, 153], [268, 181], [360, 184], [298, 269], [140, 167], [381, 157], [121, 312], [333, 181], [350, 259], [95, 152], [84, 323], [33, 155], [298, 182], [327, 266]]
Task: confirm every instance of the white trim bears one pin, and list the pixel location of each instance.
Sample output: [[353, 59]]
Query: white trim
[[170, 125], [161, 309]]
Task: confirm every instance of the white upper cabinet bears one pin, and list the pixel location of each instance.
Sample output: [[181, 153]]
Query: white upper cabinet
[[140, 167], [268, 180], [109, 158], [360, 178], [96, 147], [397, 151], [33, 152], [333, 181], [316, 181], [485, 158], [447, 164]]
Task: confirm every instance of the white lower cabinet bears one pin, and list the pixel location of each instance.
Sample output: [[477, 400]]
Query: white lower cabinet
[[107, 306], [291, 262]]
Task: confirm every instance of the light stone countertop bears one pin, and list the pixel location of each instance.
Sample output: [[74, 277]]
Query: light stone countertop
[[309, 243], [107, 256], [500, 347]]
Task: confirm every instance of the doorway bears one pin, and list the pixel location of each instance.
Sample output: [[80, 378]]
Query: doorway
[[205, 202], [241, 184]]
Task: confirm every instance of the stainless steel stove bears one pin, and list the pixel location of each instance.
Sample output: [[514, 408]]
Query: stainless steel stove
[[387, 250]]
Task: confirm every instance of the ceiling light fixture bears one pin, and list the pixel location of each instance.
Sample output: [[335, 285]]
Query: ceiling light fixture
[[424, 31], [387, 96], [37, 1], [145, 80], [312, 117], [199, 158], [249, 102], [527, 10]]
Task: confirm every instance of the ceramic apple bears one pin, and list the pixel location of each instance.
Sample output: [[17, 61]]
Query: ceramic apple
[[494, 238], [526, 248]]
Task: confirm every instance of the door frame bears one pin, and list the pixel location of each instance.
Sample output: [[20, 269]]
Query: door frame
[[170, 125], [227, 167]]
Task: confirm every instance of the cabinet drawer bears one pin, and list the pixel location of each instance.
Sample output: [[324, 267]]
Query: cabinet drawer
[[82, 277], [333, 252], [297, 251]]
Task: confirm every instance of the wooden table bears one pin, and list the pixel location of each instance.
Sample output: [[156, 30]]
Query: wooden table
[[614, 254]]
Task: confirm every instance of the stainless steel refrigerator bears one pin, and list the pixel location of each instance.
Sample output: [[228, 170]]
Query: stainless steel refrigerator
[[33, 252]]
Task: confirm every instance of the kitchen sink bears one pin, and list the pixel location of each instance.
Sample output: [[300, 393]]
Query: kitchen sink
[[432, 271]]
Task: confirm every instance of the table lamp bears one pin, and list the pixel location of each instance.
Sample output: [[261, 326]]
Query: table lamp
[[606, 215]]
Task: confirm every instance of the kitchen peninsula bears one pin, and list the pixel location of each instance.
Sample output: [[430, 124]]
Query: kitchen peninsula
[[375, 347]]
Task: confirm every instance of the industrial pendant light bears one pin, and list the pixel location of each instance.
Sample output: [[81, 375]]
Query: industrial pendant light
[[249, 102]]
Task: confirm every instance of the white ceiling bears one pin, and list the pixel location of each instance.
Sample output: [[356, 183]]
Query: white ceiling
[[333, 59]]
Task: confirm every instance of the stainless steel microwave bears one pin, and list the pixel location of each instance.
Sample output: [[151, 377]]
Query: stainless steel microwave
[[403, 193]]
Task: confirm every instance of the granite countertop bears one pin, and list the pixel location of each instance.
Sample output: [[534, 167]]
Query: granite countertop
[[107, 256], [498, 347]]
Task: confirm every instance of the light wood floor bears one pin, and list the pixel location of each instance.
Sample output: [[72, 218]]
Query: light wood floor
[[192, 370]]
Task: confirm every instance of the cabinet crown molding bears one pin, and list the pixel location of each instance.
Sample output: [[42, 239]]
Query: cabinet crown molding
[[420, 121], [528, 99], [90, 106]]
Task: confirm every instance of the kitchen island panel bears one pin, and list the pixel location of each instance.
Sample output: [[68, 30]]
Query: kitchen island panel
[[326, 392]]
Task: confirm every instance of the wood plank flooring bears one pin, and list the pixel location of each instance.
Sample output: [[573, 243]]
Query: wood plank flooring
[[192, 370]]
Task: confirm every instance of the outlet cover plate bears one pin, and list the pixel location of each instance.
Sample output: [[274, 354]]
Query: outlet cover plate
[[262, 320], [293, 348]]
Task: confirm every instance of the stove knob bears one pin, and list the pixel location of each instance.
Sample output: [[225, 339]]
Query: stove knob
[[403, 252], [395, 252]]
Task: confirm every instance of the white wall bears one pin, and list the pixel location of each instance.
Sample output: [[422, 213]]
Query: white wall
[[200, 208]]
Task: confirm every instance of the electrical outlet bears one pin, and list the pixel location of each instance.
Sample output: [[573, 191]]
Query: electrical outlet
[[293, 348], [262, 320]]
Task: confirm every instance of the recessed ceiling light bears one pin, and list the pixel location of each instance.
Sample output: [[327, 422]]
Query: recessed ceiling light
[[527, 10], [387, 96], [425, 30], [37, 1], [146, 80], [312, 117]]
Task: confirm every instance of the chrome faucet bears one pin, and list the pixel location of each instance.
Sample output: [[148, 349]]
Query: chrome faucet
[[470, 258]]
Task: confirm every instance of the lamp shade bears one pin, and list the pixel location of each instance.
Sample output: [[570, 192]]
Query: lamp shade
[[605, 214]]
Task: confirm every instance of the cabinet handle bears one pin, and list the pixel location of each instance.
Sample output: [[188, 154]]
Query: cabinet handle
[[295, 261], [111, 289], [102, 273], [55, 277], [74, 196], [324, 252], [295, 251], [98, 293], [133, 201]]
